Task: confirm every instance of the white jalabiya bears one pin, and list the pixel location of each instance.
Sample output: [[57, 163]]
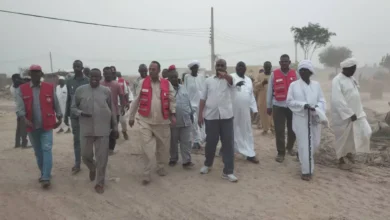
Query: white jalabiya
[[62, 95], [350, 137], [243, 103], [299, 94], [194, 86]]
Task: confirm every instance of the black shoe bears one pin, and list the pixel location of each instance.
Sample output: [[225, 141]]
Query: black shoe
[[279, 158], [253, 160], [45, 184], [172, 163], [188, 165]]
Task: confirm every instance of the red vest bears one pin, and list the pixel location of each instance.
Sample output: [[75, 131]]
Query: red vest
[[146, 97], [282, 83], [46, 100], [121, 83]]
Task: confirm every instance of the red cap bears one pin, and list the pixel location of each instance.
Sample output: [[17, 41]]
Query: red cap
[[172, 67], [35, 68]]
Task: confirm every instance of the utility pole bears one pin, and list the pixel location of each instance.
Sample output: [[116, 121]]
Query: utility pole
[[212, 41], [51, 63]]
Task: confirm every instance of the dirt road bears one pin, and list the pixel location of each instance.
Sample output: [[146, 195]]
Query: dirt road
[[267, 191]]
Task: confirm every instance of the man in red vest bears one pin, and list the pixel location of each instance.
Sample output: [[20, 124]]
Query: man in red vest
[[128, 98], [38, 106], [279, 82], [156, 107]]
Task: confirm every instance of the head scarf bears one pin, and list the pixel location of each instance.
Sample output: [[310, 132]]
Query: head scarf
[[350, 62], [306, 64], [193, 63], [61, 77], [172, 67]]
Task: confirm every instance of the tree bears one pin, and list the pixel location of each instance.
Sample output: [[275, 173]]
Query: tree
[[385, 62], [311, 37], [333, 56]]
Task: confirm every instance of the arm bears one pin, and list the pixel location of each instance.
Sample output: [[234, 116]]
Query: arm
[[270, 90], [172, 100], [293, 104], [339, 103], [20, 110], [131, 96], [76, 103], [134, 106], [321, 100], [121, 96], [127, 92], [253, 105], [68, 102], [56, 105], [202, 102], [228, 78], [114, 123]]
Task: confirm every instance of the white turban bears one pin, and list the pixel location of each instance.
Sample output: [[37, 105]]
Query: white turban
[[61, 77], [350, 62], [306, 64], [193, 63]]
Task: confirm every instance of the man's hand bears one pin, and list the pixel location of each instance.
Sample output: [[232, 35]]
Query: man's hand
[[122, 110], [87, 115], [254, 114], [173, 120], [58, 123], [127, 107], [265, 82], [114, 134], [66, 121], [28, 123], [222, 74], [307, 106], [131, 123], [200, 120], [241, 83], [353, 118], [269, 111]]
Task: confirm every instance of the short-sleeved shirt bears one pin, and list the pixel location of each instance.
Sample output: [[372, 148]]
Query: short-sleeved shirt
[[217, 94], [115, 92]]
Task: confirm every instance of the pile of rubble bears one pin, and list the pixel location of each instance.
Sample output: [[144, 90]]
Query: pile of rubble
[[380, 143], [5, 93]]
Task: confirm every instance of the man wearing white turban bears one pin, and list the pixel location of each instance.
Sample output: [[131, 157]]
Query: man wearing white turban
[[307, 102], [194, 84], [62, 95], [349, 124]]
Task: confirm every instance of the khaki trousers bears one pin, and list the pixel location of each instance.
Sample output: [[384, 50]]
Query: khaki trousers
[[101, 155], [155, 143], [265, 120]]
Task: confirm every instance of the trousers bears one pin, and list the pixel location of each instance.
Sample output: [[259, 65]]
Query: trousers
[[181, 137], [215, 129], [101, 155], [42, 142], [282, 115], [155, 143]]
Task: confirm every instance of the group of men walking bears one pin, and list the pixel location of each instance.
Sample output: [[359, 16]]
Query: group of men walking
[[171, 114]]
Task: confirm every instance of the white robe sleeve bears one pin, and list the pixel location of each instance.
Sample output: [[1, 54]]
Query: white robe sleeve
[[321, 100], [253, 104], [339, 104], [292, 103]]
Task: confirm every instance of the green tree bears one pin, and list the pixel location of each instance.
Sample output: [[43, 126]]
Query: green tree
[[333, 56], [311, 37], [385, 62]]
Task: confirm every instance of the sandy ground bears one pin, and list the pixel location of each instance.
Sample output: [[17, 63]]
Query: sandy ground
[[267, 191]]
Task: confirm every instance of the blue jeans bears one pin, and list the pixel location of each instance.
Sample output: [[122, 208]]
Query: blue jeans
[[42, 142]]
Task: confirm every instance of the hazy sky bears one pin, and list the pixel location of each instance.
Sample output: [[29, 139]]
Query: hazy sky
[[249, 30]]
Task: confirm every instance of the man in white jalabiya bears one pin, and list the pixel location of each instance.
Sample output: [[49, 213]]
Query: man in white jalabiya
[[243, 102], [306, 100], [194, 84], [349, 124], [62, 95]]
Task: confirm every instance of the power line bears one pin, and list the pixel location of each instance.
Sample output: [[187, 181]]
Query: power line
[[192, 32]]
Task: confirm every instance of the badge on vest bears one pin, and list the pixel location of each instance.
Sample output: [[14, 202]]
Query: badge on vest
[[145, 90], [279, 80], [48, 99]]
